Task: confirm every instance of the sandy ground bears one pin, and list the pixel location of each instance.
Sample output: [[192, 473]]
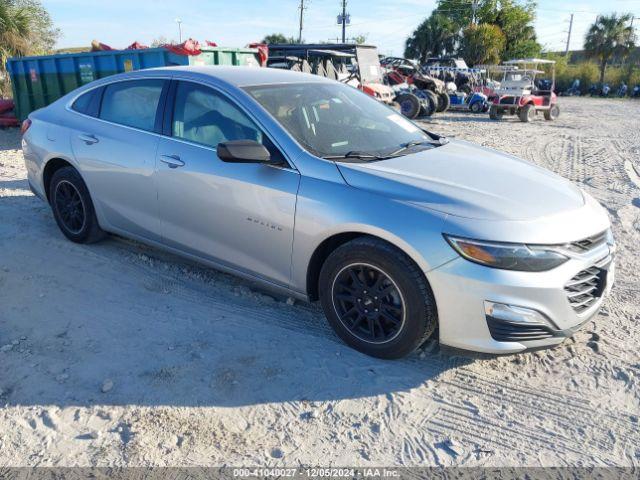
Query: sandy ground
[[119, 354]]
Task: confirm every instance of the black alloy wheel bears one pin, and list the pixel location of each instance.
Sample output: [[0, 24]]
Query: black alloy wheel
[[70, 207], [368, 303], [376, 298]]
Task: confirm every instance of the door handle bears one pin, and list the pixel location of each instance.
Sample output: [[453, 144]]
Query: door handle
[[172, 160], [88, 138]]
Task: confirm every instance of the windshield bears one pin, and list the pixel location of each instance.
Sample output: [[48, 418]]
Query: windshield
[[333, 120]]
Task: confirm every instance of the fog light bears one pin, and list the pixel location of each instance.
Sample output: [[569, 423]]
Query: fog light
[[513, 314]]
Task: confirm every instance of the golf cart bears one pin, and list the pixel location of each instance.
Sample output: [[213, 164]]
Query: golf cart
[[521, 94], [355, 65], [449, 70], [472, 97]]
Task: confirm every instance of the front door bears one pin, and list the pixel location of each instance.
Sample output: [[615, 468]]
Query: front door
[[240, 215]]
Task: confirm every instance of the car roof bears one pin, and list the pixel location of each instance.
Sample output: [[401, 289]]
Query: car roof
[[246, 76]]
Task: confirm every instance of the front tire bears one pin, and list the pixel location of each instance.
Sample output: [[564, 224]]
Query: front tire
[[476, 107], [72, 207], [376, 299], [409, 105]]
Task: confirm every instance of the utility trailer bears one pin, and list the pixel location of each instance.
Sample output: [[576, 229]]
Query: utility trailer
[[355, 65]]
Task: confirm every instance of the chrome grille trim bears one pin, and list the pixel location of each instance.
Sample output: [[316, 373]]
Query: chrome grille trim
[[589, 243], [586, 288]]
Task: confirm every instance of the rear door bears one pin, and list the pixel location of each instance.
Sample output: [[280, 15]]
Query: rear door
[[116, 147], [239, 215]]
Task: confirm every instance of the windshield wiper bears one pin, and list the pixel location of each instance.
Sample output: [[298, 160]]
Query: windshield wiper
[[356, 154], [414, 143]]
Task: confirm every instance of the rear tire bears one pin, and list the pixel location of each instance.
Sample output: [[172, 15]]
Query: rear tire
[[444, 102], [404, 311], [552, 113], [409, 105], [72, 207], [495, 113], [432, 99], [527, 113]]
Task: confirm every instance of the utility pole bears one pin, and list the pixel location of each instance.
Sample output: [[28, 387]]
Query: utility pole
[[344, 20], [179, 22], [474, 9], [566, 49], [301, 7]]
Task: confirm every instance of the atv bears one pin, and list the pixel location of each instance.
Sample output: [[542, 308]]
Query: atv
[[401, 70]]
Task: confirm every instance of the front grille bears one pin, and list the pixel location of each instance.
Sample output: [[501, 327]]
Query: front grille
[[588, 243], [584, 290], [503, 331]]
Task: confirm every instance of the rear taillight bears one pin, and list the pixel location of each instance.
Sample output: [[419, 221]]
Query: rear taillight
[[25, 126]]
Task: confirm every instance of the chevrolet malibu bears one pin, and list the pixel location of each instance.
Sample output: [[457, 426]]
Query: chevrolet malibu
[[317, 190]]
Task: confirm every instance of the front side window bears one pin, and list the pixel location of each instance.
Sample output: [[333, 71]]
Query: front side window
[[132, 103], [205, 117], [330, 119]]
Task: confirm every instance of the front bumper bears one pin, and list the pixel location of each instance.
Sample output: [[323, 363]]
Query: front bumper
[[461, 289]]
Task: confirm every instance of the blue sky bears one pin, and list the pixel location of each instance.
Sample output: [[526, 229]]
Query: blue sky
[[386, 23]]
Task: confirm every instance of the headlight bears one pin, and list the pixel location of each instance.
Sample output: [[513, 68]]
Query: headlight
[[507, 256]]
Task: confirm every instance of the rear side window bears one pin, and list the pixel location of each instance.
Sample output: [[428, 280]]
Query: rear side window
[[88, 103], [132, 103]]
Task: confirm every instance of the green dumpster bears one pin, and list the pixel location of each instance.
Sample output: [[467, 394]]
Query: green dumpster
[[39, 81]]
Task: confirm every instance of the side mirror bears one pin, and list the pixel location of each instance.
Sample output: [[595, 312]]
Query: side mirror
[[243, 151]]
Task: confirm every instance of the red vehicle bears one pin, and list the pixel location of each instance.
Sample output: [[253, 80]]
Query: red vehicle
[[520, 94]]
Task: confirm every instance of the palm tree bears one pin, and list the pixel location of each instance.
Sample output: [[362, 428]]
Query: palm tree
[[610, 36], [15, 30], [436, 36], [25, 29]]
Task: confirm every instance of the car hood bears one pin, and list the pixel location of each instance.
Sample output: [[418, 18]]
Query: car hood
[[467, 180]]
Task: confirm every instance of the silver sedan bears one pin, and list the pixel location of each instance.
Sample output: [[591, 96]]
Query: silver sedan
[[317, 190]]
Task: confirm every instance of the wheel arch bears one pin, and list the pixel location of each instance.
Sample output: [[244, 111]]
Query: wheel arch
[[336, 240], [50, 168]]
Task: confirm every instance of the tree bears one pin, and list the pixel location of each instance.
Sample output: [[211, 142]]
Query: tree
[[278, 38], [360, 39], [610, 36], [516, 22], [482, 44], [160, 41], [436, 36], [448, 22], [43, 35], [14, 31], [25, 29]]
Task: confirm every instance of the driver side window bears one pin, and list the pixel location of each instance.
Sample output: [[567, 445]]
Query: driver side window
[[205, 117]]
